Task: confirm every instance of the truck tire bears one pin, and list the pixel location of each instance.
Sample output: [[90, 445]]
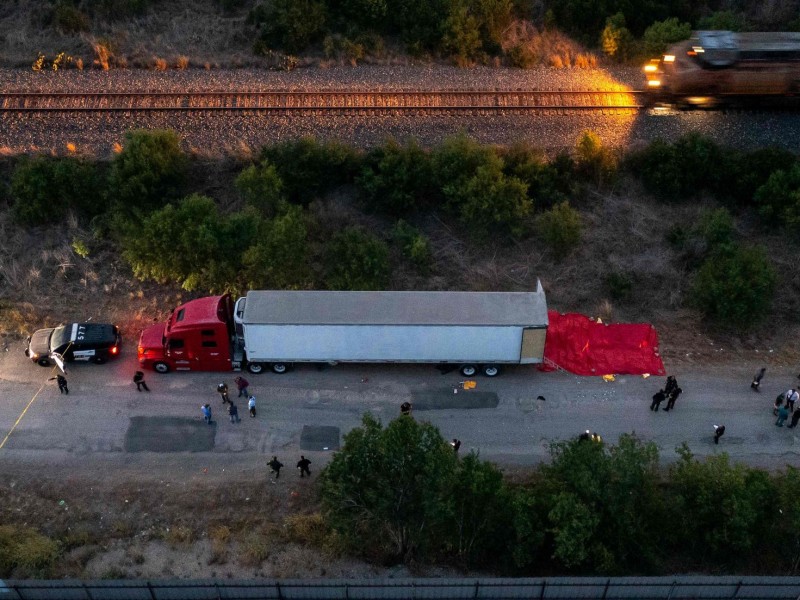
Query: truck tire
[[161, 367], [468, 370], [255, 368], [280, 368], [491, 370], [43, 362], [99, 360]]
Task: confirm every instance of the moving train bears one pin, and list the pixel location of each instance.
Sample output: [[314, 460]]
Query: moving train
[[714, 67]]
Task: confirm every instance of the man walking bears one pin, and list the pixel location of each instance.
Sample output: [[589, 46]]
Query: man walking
[[658, 398], [795, 418], [275, 467], [673, 395], [242, 384], [302, 464], [251, 406], [233, 412], [791, 398], [138, 379], [783, 414], [206, 408], [719, 431], [222, 390], [671, 384], [62, 383], [756, 384]]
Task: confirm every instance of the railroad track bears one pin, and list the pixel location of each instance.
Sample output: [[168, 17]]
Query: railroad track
[[358, 102]]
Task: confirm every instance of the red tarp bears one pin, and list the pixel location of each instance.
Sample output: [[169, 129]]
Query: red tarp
[[584, 347]]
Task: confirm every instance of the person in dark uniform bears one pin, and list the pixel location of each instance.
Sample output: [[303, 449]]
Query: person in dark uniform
[[405, 408], [795, 418], [673, 395], [755, 385], [275, 466], [138, 379], [719, 431], [222, 390], [62, 384], [671, 384], [658, 398], [302, 464], [456, 444]]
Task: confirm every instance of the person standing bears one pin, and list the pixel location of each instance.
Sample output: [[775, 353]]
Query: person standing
[[456, 444], [658, 398], [233, 411], [673, 395], [222, 390], [791, 397], [206, 408], [405, 408], [783, 414], [275, 467], [719, 431], [242, 384], [671, 384], [795, 418], [251, 406], [138, 379], [756, 384], [302, 464], [778, 403], [62, 383]]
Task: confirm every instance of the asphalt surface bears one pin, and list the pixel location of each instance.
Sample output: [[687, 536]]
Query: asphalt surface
[[105, 425]]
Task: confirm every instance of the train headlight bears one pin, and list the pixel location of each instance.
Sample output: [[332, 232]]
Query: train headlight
[[669, 58], [650, 68], [653, 83]]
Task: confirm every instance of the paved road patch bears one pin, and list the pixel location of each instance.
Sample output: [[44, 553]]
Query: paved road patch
[[169, 434], [445, 399], [319, 437]]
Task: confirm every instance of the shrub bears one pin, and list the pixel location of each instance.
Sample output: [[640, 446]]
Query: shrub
[[342, 48], [778, 200], [457, 159], [750, 170], [356, 260], [291, 25], [724, 20], [661, 34], [255, 549], [521, 56], [149, 172], [363, 14], [26, 549], [735, 287], [595, 163], [560, 228], [309, 168], [44, 189], [620, 285], [396, 179], [262, 188], [462, 35], [616, 40], [413, 244], [279, 257], [69, 19]]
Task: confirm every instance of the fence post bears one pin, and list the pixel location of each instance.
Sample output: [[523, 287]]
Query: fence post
[[150, 589], [477, 585]]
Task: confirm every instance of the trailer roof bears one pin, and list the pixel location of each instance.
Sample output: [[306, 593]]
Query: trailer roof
[[527, 309]]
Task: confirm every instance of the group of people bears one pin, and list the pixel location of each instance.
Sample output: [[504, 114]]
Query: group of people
[[670, 393], [233, 411], [785, 406], [275, 467]]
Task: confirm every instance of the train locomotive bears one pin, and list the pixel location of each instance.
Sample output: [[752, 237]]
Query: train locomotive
[[714, 67]]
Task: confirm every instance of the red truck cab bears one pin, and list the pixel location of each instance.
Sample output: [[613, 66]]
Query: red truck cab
[[198, 336]]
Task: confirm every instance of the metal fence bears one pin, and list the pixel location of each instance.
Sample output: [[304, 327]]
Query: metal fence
[[562, 588]]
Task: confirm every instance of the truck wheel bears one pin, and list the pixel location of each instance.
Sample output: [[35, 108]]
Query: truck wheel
[[279, 368], [255, 368], [99, 360], [161, 367], [43, 362], [491, 370], [468, 370]]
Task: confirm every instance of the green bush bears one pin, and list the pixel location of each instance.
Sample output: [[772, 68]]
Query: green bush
[[149, 172], [356, 260], [748, 171], [462, 34], [279, 257], [419, 22], [724, 20], [595, 163], [342, 48], [262, 188], [395, 179], [291, 25], [69, 19], [616, 40], [521, 56], [309, 168], [117, 9], [457, 159], [662, 34], [45, 189], [560, 228], [620, 285], [548, 182], [778, 200], [735, 287], [413, 244], [26, 550], [361, 14]]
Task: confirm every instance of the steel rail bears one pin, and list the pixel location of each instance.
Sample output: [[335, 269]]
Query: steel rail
[[327, 101]]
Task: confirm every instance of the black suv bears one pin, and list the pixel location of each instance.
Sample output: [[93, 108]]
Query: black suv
[[96, 342]]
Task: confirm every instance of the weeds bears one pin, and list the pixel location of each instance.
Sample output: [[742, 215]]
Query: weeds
[[254, 549], [179, 536], [220, 537]]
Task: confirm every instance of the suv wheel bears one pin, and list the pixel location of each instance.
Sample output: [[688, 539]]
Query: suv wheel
[[43, 362], [161, 367]]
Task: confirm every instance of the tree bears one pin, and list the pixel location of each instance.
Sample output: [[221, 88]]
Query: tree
[[413, 244], [149, 172], [356, 260], [291, 25], [549, 182], [384, 491], [279, 258], [262, 188], [560, 228], [661, 34], [595, 162], [735, 286], [778, 200], [44, 189], [396, 179], [462, 34], [616, 40], [457, 159]]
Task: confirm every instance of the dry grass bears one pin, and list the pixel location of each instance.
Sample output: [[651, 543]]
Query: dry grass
[[546, 47]]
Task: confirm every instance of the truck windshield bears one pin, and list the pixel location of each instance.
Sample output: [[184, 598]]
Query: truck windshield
[[60, 336]]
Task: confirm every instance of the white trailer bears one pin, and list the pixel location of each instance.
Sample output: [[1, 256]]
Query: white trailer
[[476, 330]]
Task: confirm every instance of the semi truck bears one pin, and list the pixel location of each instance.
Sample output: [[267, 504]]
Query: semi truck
[[273, 330]]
